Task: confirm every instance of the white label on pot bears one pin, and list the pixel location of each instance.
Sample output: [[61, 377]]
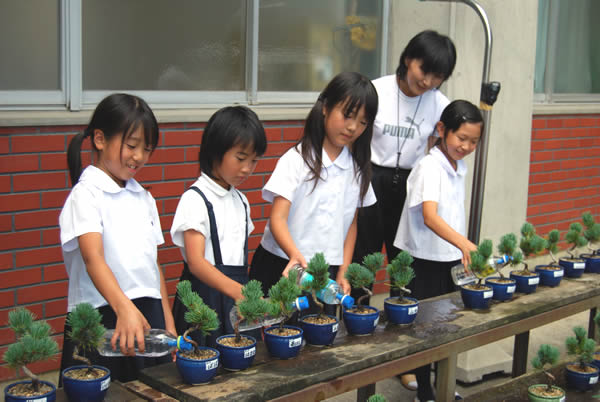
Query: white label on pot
[[559, 273], [562, 399], [413, 310], [249, 352], [488, 294], [579, 265], [376, 321], [533, 281], [295, 342], [334, 327], [104, 384], [593, 380], [38, 400], [510, 289], [213, 364]]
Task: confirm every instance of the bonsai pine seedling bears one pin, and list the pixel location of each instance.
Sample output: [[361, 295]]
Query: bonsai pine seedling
[[547, 356], [575, 238], [551, 245], [252, 307], [319, 269], [199, 316], [363, 276], [508, 247], [581, 347], [531, 243], [87, 333], [479, 262], [592, 230], [401, 273], [282, 295], [33, 344], [377, 398]]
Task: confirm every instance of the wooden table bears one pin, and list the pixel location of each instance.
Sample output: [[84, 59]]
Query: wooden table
[[443, 329]]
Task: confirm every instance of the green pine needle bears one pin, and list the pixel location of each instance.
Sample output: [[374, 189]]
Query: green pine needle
[[252, 306], [283, 294], [359, 276], [400, 271], [373, 262], [319, 269], [198, 314], [87, 330], [479, 259]]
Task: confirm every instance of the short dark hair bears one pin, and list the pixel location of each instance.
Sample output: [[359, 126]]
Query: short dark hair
[[459, 112], [436, 51], [226, 128]]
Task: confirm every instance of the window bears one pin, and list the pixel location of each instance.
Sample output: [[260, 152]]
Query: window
[[567, 56], [184, 53]]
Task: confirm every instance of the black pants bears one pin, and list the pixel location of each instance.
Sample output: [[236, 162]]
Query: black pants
[[124, 368]]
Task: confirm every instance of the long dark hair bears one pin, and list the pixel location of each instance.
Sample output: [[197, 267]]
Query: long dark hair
[[436, 51], [117, 114], [354, 91]]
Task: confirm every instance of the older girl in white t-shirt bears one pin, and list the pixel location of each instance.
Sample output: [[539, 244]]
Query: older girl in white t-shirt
[[432, 225], [318, 185]]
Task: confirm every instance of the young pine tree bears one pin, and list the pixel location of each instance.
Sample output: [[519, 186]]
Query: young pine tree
[[551, 245], [363, 276], [282, 295], [87, 331], [581, 346], [479, 261], [508, 247], [33, 343], [531, 243], [547, 355], [319, 269], [575, 238], [199, 316], [252, 307], [592, 230], [401, 273]]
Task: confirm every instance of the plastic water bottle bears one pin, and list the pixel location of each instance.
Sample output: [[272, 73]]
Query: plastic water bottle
[[464, 276], [330, 294], [301, 303], [158, 343]]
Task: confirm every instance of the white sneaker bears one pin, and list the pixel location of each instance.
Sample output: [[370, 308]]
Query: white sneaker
[[418, 400]]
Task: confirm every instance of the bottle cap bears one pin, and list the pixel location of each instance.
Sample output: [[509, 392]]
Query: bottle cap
[[182, 344], [302, 303], [347, 301]]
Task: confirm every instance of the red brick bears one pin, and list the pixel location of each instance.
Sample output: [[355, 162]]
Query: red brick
[[166, 222], [554, 123], [173, 189], [51, 237], [174, 138], [42, 292], [253, 242], [150, 173], [539, 156], [38, 143], [5, 223], [170, 205], [55, 273], [173, 271], [381, 275], [39, 181], [571, 122], [18, 130], [6, 260], [254, 197], [380, 288], [39, 256], [36, 219], [167, 155], [5, 184], [538, 123], [273, 134], [7, 298], [6, 373], [4, 145], [541, 135], [54, 199], [7, 336], [292, 133], [53, 161], [253, 182], [47, 365], [167, 255], [259, 226], [15, 240], [36, 309], [55, 308], [276, 149], [256, 212], [172, 287], [185, 171], [192, 154], [538, 146], [13, 278], [540, 178], [60, 129], [19, 163], [265, 165]]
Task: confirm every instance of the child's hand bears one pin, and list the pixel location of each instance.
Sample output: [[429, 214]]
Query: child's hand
[[466, 251], [298, 260], [344, 285], [131, 325]]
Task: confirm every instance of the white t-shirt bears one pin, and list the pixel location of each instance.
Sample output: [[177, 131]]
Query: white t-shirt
[[230, 217], [319, 219], [128, 221], [433, 179], [393, 123]]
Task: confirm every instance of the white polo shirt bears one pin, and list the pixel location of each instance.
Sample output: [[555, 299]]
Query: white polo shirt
[[127, 219], [319, 219], [230, 218], [433, 179]]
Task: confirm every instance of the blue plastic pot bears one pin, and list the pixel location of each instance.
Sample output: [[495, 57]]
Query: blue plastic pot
[[319, 334], [283, 347], [85, 390], [526, 283], [49, 396], [403, 314], [581, 381], [502, 291], [236, 358], [476, 299], [361, 324], [592, 263], [596, 361], [198, 371], [573, 269], [549, 277]]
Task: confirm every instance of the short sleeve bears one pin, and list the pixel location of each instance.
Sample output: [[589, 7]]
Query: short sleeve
[[191, 214], [80, 215], [156, 228], [285, 179], [424, 184], [369, 199]]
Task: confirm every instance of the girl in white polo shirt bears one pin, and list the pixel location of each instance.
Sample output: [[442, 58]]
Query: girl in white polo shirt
[[318, 185], [432, 224], [212, 221], [110, 231]]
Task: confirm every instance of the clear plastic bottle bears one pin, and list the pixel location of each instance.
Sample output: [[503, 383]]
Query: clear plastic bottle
[[158, 342], [462, 276], [331, 294], [301, 303]]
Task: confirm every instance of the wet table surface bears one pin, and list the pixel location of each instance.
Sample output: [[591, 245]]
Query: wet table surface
[[443, 328]]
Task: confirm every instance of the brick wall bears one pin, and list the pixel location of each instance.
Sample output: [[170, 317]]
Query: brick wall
[[564, 176]]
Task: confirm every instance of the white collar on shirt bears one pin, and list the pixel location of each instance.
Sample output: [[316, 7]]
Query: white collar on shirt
[[343, 161], [105, 183], [215, 187], [461, 167]]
